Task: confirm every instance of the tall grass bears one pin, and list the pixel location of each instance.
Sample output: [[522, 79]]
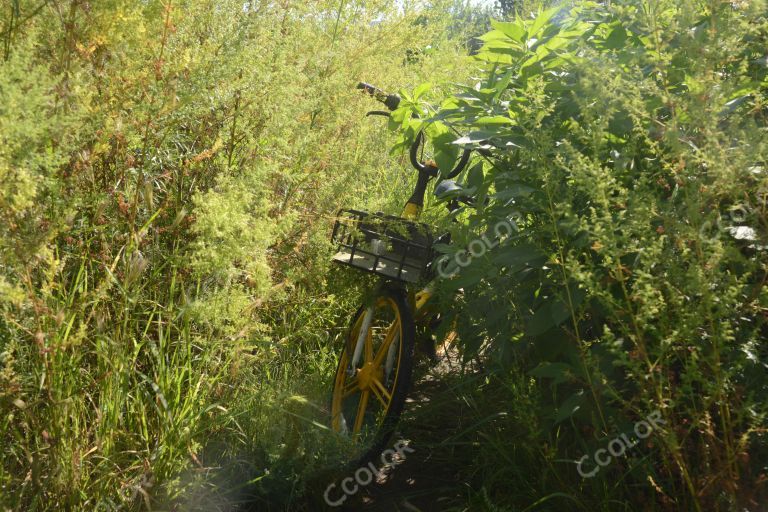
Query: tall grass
[[169, 175]]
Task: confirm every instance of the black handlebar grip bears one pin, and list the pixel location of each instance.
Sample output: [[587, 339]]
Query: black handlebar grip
[[390, 100], [370, 89]]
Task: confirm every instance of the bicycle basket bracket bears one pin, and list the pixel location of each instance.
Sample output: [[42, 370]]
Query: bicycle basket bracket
[[386, 245]]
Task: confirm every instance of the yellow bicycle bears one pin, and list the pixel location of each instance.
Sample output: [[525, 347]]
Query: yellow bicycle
[[375, 366]]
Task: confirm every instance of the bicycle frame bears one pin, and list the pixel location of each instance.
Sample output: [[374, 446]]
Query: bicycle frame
[[418, 300], [378, 355]]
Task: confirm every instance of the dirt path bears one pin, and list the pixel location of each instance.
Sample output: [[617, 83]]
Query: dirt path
[[424, 479]]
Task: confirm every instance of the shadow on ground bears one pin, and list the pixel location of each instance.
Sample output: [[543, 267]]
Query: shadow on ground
[[425, 478]]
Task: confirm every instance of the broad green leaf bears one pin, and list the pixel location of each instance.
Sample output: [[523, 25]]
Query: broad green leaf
[[406, 97], [494, 58], [552, 44], [446, 152], [467, 276], [493, 35], [465, 114], [569, 407], [493, 120], [549, 315], [512, 29], [444, 248], [475, 176], [531, 68], [577, 30], [617, 38], [399, 116], [475, 136], [558, 372], [411, 128], [421, 90], [451, 103], [552, 313], [542, 19], [557, 62], [501, 49], [517, 256], [502, 84], [511, 141]]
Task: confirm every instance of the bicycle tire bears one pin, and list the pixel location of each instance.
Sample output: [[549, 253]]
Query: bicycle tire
[[374, 442]]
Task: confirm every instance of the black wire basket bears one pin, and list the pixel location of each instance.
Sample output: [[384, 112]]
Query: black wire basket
[[386, 245]]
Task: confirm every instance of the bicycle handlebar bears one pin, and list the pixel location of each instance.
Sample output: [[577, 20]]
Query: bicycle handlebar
[[429, 169], [392, 101]]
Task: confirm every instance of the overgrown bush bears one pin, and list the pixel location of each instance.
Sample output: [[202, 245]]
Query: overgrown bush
[[628, 142], [169, 172]]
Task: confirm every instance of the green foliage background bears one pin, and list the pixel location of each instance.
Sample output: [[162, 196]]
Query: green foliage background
[[169, 172]]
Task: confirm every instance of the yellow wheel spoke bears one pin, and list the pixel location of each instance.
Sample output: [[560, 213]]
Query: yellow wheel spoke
[[361, 411], [393, 330], [377, 394], [369, 347], [381, 393], [349, 387]]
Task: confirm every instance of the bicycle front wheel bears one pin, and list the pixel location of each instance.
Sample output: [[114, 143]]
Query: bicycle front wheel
[[374, 373]]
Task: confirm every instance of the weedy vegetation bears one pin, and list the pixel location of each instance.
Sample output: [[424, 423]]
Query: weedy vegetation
[[170, 171]]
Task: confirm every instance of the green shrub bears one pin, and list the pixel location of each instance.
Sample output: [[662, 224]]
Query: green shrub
[[168, 171], [628, 142]]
